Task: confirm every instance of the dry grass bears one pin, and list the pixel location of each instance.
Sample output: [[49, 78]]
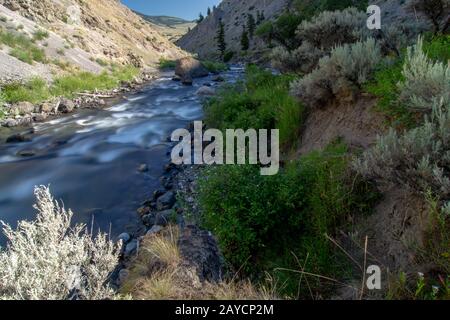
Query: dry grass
[[158, 273]]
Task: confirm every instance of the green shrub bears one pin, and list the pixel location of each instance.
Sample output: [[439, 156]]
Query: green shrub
[[215, 67], [228, 56], [437, 48], [40, 35], [261, 102], [261, 221], [426, 83], [342, 73], [167, 64]]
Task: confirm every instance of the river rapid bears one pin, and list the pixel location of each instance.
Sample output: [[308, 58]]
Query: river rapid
[[90, 159]]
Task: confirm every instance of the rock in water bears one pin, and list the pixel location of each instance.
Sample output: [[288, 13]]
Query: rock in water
[[206, 91], [66, 106], [17, 138], [189, 68], [166, 201], [22, 108]]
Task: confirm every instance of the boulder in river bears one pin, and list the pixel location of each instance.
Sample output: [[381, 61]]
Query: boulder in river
[[143, 168], [66, 105], [22, 108], [17, 138], [47, 107], [166, 201], [26, 153], [125, 237], [191, 67], [206, 91]]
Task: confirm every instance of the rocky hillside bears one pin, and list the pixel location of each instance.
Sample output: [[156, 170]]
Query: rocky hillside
[[85, 34], [233, 13]]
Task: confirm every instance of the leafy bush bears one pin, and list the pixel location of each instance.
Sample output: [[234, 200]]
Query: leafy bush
[[348, 67], [167, 64], [215, 67], [49, 259], [427, 83], [418, 159], [228, 56], [260, 221], [437, 48], [282, 30], [261, 102]]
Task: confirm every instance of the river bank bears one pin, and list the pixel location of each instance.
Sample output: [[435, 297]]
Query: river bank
[[23, 114]]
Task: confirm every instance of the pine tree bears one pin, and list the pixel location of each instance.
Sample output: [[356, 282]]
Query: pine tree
[[209, 11], [245, 41], [260, 17], [200, 18], [251, 25], [221, 44]]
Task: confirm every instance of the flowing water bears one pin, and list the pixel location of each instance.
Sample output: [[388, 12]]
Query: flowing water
[[90, 159]]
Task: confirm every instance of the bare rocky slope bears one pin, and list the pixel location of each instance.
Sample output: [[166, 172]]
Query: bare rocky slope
[[82, 33], [233, 13]]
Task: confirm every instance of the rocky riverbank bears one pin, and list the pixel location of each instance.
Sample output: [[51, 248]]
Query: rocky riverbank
[[24, 114]]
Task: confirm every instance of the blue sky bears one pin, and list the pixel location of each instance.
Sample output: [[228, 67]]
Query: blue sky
[[177, 8]]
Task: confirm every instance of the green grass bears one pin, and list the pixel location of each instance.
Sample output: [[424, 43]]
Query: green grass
[[267, 222], [22, 47], [438, 48], [262, 101], [389, 75], [37, 90], [40, 35], [214, 66], [165, 64], [102, 62]]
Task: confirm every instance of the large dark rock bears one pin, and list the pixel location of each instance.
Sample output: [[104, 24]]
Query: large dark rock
[[166, 201], [189, 68], [17, 138], [199, 250]]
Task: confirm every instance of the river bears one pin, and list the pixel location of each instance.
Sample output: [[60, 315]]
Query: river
[[90, 159]]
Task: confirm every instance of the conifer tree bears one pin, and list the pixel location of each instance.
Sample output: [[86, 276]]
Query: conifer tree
[[251, 25], [221, 44], [245, 41]]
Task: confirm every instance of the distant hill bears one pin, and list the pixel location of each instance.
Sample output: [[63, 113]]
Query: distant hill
[[171, 27], [165, 20]]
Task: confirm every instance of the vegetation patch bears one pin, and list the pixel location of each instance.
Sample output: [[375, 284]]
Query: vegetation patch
[[167, 64], [279, 223], [22, 47], [262, 101], [214, 66], [37, 90]]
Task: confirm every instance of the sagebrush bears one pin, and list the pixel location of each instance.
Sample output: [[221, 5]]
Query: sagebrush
[[344, 71], [418, 159], [48, 259], [426, 82]]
